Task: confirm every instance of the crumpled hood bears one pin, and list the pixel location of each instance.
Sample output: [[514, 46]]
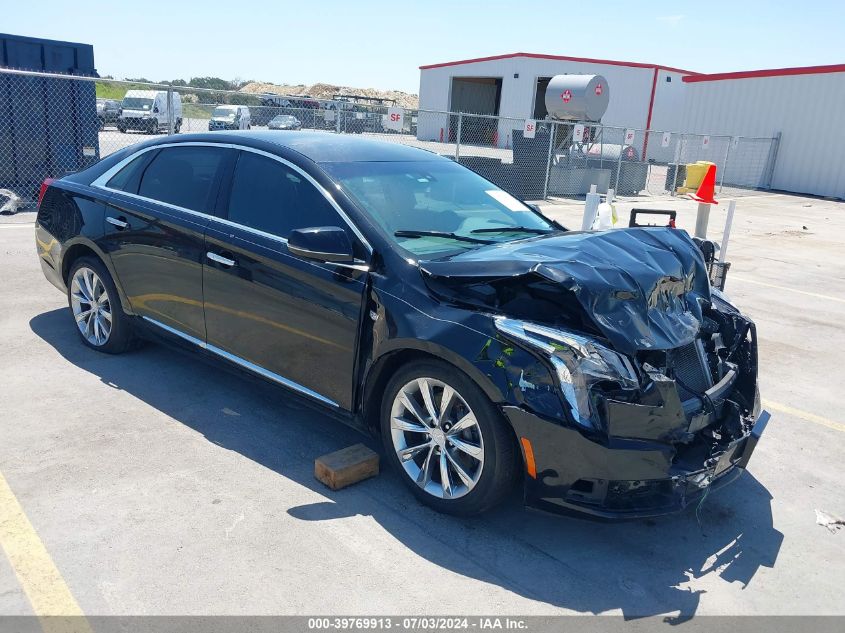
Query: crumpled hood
[[638, 287]]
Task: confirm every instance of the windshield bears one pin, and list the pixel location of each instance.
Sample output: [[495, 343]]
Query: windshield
[[223, 113], [440, 197], [284, 119], [137, 103]]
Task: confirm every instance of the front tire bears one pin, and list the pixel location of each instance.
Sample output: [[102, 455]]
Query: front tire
[[94, 303], [446, 439]]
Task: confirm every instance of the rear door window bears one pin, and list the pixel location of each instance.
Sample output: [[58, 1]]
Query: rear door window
[[269, 196], [187, 177]]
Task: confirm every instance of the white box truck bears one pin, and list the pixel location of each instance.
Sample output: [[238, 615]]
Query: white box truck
[[146, 110]]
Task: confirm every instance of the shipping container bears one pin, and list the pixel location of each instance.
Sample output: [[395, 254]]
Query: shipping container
[[48, 127]]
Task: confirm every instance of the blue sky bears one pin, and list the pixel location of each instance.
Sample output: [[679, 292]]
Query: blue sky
[[381, 44]]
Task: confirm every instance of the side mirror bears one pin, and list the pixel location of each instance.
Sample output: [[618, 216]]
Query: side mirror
[[323, 243]]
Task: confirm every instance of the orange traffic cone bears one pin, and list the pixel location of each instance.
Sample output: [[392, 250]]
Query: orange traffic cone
[[707, 188]]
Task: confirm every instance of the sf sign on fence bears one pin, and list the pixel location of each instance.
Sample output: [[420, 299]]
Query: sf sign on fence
[[629, 136], [395, 119], [530, 128]]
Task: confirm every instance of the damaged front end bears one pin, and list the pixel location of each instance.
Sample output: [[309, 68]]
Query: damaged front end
[[655, 377]]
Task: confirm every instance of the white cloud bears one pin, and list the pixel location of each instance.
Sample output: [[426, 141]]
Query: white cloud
[[671, 20]]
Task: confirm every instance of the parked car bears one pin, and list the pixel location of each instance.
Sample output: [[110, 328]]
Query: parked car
[[108, 111], [284, 122], [415, 300], [230, 117], [147, 111]]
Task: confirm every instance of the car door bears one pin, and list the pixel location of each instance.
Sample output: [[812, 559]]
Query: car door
[[293, 320], [154, 231]]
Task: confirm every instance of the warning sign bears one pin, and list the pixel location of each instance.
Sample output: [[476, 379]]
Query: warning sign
[[566, 95], [529, 129], [705, 142], [599, 90], [578, 133], [667, 138], [395, 119]]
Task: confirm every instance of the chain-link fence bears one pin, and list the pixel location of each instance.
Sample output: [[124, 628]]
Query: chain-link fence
[[51, 125]]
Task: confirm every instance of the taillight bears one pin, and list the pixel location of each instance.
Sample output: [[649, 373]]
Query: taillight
[[47, 182]]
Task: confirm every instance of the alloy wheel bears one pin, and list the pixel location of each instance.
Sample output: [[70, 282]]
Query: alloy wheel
[[91, 306], [437, 438]]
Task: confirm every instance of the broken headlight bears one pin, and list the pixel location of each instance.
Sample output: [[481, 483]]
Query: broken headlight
[[579, 361]]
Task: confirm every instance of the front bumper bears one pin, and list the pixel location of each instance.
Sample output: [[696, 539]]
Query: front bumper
[[214, 126], [137, 123], [623, 478]]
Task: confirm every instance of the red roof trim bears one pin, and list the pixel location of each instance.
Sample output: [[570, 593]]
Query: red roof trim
[[567, 58], [773, 72]]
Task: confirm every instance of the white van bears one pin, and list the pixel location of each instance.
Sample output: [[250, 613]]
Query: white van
[[146, 110], [230, 117]]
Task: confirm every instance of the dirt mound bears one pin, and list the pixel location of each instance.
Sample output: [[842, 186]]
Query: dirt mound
[[327, 91]]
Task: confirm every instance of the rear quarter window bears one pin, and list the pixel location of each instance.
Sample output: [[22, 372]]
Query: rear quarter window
[[129, 178]]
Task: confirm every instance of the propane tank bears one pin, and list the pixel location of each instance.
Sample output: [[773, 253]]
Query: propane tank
[[577, 97]]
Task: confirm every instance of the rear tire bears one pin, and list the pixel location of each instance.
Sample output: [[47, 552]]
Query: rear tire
[[95, 305], [467, 441]]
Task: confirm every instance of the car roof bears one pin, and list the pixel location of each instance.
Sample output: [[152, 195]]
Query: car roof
[[320, 147], [141, 94]]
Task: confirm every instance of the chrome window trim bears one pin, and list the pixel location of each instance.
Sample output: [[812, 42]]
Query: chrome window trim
[[290, 384], [100, 183]]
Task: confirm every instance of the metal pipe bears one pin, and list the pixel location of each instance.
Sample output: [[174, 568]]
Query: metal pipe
[[591, 208], [549, 159], [170, 122], [458, 138], [702, 219], [677, 165], [619, 161], [724, 166], [726, 235], [773, 156]]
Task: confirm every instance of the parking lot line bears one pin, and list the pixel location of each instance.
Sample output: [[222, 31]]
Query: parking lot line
[[39, 578], [804, 415], [802, 292], [27, 225]]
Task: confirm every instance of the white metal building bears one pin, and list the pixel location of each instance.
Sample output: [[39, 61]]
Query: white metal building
[[803, 105], [642, 96]]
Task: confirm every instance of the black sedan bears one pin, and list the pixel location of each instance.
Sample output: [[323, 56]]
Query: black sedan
[[284, 122], [483, 342]]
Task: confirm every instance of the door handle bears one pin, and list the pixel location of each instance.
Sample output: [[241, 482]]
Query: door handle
[[120, 222], [225, 261]]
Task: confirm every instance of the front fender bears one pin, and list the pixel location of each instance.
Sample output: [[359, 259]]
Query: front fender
[[466, 339]]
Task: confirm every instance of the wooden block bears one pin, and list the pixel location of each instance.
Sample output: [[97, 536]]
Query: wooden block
[[346, 466]]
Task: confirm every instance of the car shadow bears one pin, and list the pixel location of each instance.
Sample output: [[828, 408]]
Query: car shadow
[[639, 568]]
